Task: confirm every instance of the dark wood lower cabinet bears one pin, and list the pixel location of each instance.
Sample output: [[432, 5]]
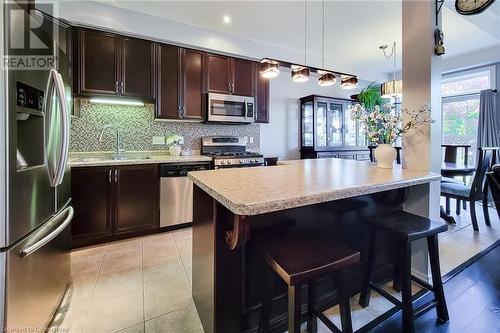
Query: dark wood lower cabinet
[[136, 198], [114, 202]]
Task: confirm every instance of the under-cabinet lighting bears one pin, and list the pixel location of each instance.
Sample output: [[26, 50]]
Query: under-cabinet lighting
[[116, 101]]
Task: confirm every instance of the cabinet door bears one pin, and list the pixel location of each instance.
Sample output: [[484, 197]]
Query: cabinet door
[[218, 74], [98, 59], [136, 198], [168, 84], [334, 125], [90, 189], [243, 75], [262, 100], [137, 68], [192, 72]]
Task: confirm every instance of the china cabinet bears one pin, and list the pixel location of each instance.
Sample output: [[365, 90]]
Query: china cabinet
[[327, 129]]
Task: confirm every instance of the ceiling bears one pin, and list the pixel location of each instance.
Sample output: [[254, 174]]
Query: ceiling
[[353, 29]]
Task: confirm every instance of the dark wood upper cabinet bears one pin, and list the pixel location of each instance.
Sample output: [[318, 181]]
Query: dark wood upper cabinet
[[227, 75], [136, 198], [180, 83], [262, 99], [243, 72], [109, 64], [168, 82], [97, 63], [192, 92], [137, 69], [218, 74], [91, 192]]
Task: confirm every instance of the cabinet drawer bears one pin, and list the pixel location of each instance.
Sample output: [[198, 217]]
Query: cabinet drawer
[[364, 156], [327, 155], [347, 156]]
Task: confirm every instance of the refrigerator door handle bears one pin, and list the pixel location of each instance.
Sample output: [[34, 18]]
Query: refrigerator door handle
[[50, 236], [65, 118], [47, 110]]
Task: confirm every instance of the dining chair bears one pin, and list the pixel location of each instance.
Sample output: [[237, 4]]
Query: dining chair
[[451, 156], [478, 189], [494, 183]]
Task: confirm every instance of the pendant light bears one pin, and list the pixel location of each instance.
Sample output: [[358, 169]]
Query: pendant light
[[348, 82], [326, 78], [300, 73], [392, 88], [269, 68]]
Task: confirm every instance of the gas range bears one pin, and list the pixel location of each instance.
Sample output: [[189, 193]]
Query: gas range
[[229, 152]]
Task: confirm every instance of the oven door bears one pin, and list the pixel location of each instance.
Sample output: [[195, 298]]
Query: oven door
[[229, 108]]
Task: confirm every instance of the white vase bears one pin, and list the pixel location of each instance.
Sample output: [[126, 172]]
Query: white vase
[[385, 154], [174, 150]]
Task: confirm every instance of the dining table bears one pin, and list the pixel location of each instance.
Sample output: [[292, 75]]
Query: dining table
[[451, 169]]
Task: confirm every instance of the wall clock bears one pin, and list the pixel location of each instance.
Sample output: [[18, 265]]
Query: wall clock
[[471, 7]]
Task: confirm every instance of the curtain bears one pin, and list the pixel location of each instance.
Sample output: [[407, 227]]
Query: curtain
[[488, 132]]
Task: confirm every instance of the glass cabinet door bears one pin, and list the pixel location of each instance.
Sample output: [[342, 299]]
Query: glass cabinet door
[[307, 124], [350, 128], [321, 123], [334, 125]]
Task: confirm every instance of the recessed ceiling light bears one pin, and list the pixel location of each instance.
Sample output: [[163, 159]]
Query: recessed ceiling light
[[226, 19]]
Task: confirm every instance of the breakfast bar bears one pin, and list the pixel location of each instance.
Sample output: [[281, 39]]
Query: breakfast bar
[[236, 210]]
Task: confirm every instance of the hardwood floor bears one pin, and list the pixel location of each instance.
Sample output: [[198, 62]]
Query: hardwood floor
[[473, 298]]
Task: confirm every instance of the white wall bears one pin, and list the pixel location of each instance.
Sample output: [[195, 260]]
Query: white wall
[[281, 136]]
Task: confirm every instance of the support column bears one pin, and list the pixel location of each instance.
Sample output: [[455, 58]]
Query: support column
[[421, 86]]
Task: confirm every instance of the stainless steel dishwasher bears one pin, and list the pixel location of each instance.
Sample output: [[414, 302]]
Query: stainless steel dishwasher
[[176, 192]]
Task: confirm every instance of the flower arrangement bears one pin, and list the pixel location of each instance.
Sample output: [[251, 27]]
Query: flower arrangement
[[173, 139], [384, 126]]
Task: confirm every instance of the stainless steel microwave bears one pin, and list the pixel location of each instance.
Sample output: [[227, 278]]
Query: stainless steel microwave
[[230, 109]]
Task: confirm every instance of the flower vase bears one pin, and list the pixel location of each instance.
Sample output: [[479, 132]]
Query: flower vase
[[174, 150], [385, 154]]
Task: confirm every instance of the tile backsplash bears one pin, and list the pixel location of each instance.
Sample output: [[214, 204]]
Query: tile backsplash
[[137, 128]]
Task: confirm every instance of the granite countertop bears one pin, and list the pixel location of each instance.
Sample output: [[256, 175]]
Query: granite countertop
[[291, 184], [130, 158]]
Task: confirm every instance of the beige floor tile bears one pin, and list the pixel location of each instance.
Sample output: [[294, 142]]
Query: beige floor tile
[[157, 246], [70, 321], [378, 304], [359, 315], [82, 289], [87, 266], [115, 313], [138, 328], [186, 251], [126, 244], [117, 283], [183, 234], [183, 320], [95, 251], [172, 271], [166, 297], [121, 260]]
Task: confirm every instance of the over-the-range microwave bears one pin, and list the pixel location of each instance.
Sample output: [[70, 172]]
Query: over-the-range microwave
[[234, 109]]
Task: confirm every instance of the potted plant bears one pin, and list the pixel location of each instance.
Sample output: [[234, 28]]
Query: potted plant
[[173, 141], [383, 127], [369, 96]]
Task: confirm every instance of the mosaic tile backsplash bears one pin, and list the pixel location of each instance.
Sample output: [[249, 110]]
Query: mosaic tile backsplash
[[137, 128]]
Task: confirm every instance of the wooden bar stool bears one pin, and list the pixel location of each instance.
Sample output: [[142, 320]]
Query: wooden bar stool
[[405, 228], [300, 261]]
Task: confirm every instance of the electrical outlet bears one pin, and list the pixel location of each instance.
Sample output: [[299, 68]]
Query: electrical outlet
[[251, 139], [158, 140]]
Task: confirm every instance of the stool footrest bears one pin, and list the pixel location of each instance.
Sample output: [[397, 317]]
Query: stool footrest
[[328, 323], [388, 296], [422, 283]]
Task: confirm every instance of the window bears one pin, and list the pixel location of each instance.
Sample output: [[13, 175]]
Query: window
[[460, 99]]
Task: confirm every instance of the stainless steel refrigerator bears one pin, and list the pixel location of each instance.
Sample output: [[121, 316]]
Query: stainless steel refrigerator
[[35, 203]]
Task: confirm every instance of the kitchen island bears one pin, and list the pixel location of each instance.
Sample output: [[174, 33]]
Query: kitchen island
[[235, 210]]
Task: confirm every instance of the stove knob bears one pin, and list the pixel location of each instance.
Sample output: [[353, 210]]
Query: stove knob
[[222, 162], [228, 162], [242, 161], [253, 161]]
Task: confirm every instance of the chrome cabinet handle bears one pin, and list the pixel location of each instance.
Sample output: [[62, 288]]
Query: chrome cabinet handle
[[116, 87], [109, 175], [116, 175], [122, 88]]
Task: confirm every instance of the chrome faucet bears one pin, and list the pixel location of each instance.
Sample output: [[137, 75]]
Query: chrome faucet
[[118, 141]]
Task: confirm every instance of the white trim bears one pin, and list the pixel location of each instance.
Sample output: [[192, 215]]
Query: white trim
[[4, 139]]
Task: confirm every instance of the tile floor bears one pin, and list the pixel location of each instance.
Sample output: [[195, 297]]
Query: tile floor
[[144, 284]]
